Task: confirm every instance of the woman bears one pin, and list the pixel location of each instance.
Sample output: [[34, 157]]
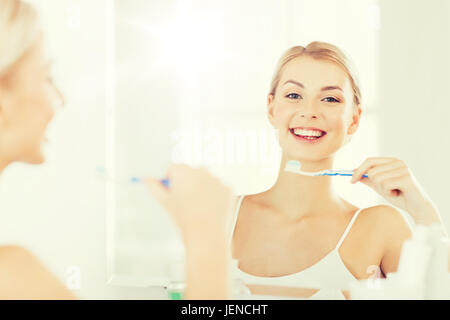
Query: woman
[[27, 104], [301, 230], [27, 101], [300, 235]]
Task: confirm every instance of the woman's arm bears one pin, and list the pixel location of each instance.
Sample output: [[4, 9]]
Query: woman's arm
[[208, 260], [393, 180], [23, 277], [208, 267], [395, 231], [201, 207], [429, 215]]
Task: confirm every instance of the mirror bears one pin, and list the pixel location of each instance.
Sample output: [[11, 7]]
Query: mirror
[[191, 83]]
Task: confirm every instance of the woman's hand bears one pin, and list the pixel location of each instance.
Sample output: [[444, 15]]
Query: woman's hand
[[199, 203], [394, 181]]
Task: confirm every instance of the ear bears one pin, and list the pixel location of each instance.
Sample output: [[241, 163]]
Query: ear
[[270, 108], [356, 117]]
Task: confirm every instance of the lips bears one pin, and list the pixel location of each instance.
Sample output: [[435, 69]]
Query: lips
[[308, 134], [308, 128]]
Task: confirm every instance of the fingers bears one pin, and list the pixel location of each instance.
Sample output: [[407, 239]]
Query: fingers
[[384, 181], [393, 186], [369, 183], [380, 176], [384, 168], [158, 190], [376, 165], [391, 183], [182, 172]]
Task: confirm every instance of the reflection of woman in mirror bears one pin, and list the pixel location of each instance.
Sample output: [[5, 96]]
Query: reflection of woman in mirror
[[27, 101], [300, 233]]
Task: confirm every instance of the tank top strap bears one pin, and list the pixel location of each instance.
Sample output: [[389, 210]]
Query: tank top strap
[[235, 217], [349, 226]]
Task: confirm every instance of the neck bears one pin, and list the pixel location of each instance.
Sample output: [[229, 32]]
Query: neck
[[298, 196]]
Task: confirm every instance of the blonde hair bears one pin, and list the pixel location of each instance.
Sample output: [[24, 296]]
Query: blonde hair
[[321, 51], [19, 30]]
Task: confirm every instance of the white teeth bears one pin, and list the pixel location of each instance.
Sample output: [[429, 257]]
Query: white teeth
[[309, 133]]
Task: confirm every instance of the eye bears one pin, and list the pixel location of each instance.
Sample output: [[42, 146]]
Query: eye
[[293, 96], [331, 99]]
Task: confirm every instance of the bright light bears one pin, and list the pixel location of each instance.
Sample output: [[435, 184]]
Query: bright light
[[188, 41]]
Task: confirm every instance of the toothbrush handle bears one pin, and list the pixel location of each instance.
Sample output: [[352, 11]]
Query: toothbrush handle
[[346, 173], [165, 182]]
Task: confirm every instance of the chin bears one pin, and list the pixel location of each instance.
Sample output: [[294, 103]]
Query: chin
[[294, 152], [312, 153], [38, 161], [35, 160], [307, 158], [36, 157]]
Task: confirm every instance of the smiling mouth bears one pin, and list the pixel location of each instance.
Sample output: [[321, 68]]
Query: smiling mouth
[[310, 135]]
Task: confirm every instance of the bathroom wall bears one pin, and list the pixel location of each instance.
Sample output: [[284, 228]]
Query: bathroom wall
[[414, 90]]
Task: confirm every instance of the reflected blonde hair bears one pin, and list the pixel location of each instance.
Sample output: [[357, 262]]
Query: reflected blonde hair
[[19, 30], [321, 51]]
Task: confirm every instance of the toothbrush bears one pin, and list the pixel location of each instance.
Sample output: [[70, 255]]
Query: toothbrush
[[133, 180], [295, 166], [165, 182]]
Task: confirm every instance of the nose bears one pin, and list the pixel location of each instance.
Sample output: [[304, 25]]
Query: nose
[[309, 115], [62, 100], [309, 111]]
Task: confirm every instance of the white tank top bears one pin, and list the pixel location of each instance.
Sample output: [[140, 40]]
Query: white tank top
[[329, 274]]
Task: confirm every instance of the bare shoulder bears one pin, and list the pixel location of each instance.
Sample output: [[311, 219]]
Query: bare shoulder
[[13, 258], [385, 213], [23, 276], [376, 239], [392, 230], [251, 200], [388, 221]]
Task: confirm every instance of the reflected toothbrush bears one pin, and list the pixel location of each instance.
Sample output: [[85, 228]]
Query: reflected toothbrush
[[101, 171], [165, 182], [295, 167]]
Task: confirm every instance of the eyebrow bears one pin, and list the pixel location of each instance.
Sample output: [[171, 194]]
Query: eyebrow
[[294, 82], [323, 89], [331, 88]]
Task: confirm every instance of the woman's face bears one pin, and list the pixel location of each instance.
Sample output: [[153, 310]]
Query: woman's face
[[27, 101], [313, 109]]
